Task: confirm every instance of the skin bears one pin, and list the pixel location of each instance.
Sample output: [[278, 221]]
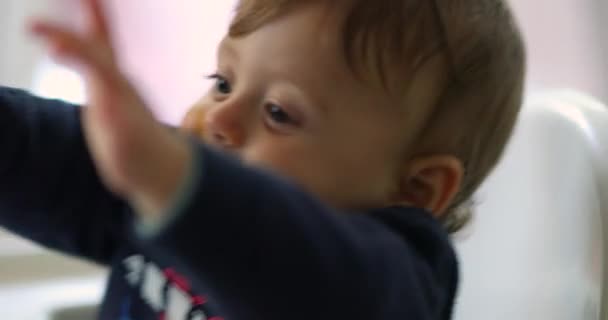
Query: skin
[[283, 100]]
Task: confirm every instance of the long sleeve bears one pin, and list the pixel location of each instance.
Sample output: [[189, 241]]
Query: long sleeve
[[268, 250], [49, 190]]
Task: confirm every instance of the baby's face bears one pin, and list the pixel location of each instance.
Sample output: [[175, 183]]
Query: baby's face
[[284, 99]]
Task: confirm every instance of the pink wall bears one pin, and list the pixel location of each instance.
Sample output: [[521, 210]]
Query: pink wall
[[169, 46], [565, 44]]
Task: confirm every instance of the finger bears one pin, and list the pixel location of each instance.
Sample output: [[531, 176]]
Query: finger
[[98, 21], [68, 47], [83, 56]]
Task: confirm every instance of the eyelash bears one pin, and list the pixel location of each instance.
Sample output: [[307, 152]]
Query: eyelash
[[271, 110], [217, 78]]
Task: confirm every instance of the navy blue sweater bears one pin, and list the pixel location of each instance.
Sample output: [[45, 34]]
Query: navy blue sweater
[[244, 245]]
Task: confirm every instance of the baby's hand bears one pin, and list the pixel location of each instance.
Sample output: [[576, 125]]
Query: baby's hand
[[136, 157]]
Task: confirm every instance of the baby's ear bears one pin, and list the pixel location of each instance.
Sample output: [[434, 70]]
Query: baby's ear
[[430, 182]]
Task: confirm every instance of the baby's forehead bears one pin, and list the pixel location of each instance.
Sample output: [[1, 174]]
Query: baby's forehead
[[302, 44], [306, 31]]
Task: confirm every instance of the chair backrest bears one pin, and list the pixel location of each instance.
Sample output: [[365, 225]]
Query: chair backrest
[[537, 246]]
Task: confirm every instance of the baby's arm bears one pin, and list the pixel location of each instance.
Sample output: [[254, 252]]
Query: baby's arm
[[268, 250], [49, 190]]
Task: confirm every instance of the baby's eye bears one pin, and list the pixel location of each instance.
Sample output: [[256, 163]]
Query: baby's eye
[[278, 115], [222, 85]]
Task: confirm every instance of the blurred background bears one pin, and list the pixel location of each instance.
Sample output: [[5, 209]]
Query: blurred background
[[167, 46]]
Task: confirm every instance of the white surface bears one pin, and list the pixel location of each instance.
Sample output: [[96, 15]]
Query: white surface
[[35, 282], [535, 249], [54, 81], [37, 301], [12, 246]]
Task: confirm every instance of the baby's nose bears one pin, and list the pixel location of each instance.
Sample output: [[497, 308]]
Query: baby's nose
[[220, 127], [224, 127], [223, 136]]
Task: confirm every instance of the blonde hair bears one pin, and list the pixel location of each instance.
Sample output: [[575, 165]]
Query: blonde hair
[[481, 46]]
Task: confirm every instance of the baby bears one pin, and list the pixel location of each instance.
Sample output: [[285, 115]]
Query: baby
[[317, 179]]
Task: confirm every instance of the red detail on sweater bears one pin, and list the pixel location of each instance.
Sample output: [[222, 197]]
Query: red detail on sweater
[[199, 300], [177, 279]]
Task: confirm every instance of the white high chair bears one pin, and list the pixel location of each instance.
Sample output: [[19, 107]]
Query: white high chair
[[537, 247]]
